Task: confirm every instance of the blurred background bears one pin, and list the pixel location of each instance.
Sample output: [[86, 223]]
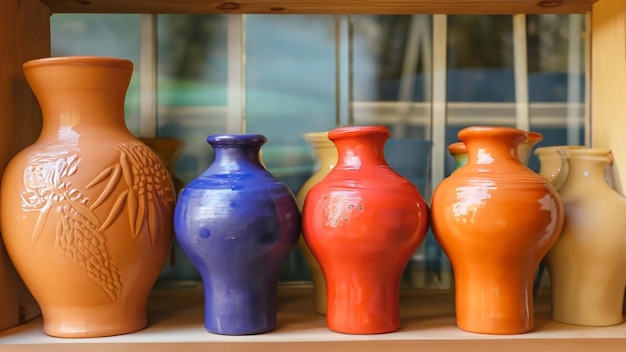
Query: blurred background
[[423, 76]]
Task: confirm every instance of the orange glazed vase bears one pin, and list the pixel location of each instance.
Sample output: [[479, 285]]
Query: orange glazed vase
[[87, 209], [325, 157], [363, 222], [495, 219]]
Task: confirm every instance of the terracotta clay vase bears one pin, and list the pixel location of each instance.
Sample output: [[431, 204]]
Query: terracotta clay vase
[[325, 158], [168, 150], [237, 223], [459, 154], [525, 148], [495, 219], [363, 222], [87, 209], [587, 265]]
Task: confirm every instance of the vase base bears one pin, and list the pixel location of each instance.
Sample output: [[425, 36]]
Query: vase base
[[496, 329], [71, 322]]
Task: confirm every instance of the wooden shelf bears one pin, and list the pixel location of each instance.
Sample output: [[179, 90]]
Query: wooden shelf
[[427, 323], [322, 7]]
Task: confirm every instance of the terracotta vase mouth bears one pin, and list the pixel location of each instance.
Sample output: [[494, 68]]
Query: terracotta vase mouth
[[457, 148], [358, 131], [236, 140], [512, 134], [79, 61]]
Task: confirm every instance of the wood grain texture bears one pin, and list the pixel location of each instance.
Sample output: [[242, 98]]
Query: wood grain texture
[[608, 81], [322, 7], [24, 35]]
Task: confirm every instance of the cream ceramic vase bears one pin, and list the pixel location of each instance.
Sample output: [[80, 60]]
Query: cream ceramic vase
[[551, 162], [87, 209], [587, 265], [325, 158]]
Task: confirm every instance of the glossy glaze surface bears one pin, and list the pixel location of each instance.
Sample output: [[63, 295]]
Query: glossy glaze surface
[[325, 157], [87, 209], [587, 264], [237, 223], [495, 219], [363, 222]]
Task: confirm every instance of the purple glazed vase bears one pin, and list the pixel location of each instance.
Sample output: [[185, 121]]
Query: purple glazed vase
[[237, 223]]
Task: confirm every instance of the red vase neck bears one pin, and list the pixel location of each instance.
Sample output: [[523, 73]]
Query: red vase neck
[[78, 92], [360, 146], [489, 145]]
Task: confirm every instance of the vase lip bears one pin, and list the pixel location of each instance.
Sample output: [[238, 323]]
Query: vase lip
[[589, 153], [457, 148], [534, 137], [83, 60], [556, 148], [315, 136], [504, 131], [236, 139], [358, 131]]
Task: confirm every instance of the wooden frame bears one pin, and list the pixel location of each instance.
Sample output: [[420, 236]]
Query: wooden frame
[[25, 35]]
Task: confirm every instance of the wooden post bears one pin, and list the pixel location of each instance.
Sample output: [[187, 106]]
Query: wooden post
[[608, 79], [24, 35]]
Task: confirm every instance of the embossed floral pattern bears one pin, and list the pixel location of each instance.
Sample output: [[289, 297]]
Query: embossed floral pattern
[[80, 233]]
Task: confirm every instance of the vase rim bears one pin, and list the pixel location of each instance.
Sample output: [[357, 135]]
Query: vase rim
[[457, 148], [357, 131], [236, 139], [494, 131], [555, 148], [315, 136], [584, 153], [79, 61]]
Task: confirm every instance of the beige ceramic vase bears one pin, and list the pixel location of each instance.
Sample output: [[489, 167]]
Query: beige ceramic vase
[[551, 162], [325, 158], [587, 265], [87, 209]]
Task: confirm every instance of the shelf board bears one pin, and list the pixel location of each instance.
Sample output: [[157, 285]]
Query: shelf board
[[427, 323], [502, 7]]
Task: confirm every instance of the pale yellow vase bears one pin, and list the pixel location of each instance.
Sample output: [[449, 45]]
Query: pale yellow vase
[[325, 157], [587, 265]]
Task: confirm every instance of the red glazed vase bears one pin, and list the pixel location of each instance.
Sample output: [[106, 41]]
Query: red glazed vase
[[495, 219], [363, 222]]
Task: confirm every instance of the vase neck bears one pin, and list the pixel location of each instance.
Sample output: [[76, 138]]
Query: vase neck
[[488, 145], [360, 147], [79, 94], [237, 153], [323, 150], [587, 165]]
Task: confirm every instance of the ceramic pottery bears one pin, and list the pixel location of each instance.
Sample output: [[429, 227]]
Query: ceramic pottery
[[237, 224], [551, 162], [459, 154], [495, 219], [458, 151], [587, 264], [363, 222], [325, 157], [87, 209]]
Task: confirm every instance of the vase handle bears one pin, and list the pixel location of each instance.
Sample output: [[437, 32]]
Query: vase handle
[[564, 171]]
